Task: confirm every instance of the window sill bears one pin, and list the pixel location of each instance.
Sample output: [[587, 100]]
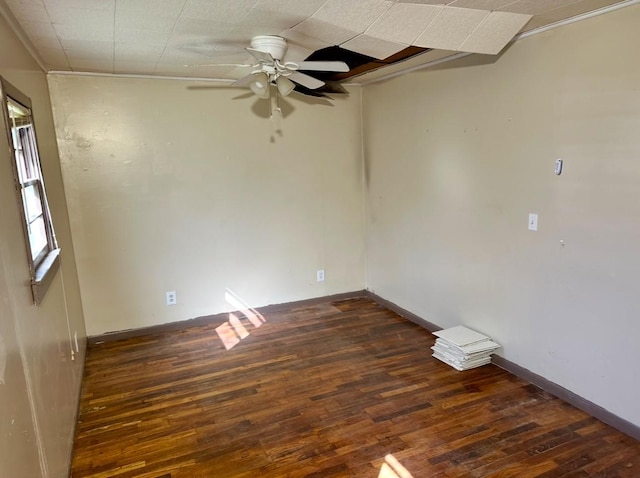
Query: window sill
[[44, 275]]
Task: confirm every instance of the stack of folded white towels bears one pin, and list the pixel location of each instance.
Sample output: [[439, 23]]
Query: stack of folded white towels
[[463, 348]]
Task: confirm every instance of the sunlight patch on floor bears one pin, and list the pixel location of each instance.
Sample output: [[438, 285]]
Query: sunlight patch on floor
[[233, 331], [391, 468]]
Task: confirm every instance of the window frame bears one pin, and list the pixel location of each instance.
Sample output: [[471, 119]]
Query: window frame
[[44, 266]]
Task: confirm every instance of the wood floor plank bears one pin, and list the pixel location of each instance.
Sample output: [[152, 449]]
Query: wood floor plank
[[324, 391]]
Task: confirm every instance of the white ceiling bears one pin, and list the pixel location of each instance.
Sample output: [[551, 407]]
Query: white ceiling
[[184, 37]]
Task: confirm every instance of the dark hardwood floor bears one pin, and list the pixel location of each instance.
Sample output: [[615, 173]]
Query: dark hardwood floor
[[324, 391]]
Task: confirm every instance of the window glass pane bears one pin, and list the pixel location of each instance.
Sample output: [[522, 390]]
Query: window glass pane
[[32, 204], [37, 237]]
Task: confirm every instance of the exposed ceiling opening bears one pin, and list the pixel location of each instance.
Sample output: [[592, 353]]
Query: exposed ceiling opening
[[359, 63]]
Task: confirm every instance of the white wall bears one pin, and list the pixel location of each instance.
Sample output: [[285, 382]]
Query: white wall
[[190, 190], [39, 384], [456, 158]]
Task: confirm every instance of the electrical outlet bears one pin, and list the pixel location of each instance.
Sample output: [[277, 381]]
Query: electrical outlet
[[320, 275], [171, 297]]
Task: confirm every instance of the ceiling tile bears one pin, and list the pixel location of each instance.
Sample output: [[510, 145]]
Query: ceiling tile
[[218, 10], [53, 55], [86, 50], [404, 22], [301, 46], [297, 53], [186, 55], [92, 66], [257, 19], [91, 4], [132, 52], [208, 29], [536, 7], [298, 38], [493, 34], [87, 16], [162, 8], [373, 47], [426, 2], [80, 31], [451, 28], [481, 4], [127, 21], [83, 24], [304, 8], [327, 32], [39, 30], [142, 37], [41, 42], [134, 67], [28, 10], [352, 15]]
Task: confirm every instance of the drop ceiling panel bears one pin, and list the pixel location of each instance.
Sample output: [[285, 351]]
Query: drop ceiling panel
[[129, 52], [426, 2], [93, 66], [149, 8], [49, 43], [142, 37], [356, 16], [481, 4], [88, 16], [304, 8], [30, 11], [92, 4], [126, 21], [450, 29], [263, 22], [57, 55], [373, 47], [86, 50], [495, 31], [134, 67], [85, 32], [327, 32], [42, 30], [536, 7], [219, 10], [404, 22], [301, 45]]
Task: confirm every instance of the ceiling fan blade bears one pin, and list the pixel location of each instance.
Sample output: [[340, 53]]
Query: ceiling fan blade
[[244, 81], [340, 66], [260, 55], [306, 80]]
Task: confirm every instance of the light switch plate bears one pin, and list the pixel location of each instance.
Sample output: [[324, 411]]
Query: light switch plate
[[533, 222]]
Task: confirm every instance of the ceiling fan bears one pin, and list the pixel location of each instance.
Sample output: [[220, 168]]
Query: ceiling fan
[[272, 70]]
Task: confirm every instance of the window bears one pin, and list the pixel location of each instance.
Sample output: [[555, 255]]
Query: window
[[40, 239]]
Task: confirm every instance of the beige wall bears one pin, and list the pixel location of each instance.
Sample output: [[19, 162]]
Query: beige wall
[[40, 385], [450, 187], [189, 190]]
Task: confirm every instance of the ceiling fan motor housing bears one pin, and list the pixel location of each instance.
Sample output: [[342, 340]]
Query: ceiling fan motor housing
[[274, 45]]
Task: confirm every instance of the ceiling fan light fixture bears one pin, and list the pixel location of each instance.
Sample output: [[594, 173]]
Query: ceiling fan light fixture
[[260, 85], [285, 85]]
